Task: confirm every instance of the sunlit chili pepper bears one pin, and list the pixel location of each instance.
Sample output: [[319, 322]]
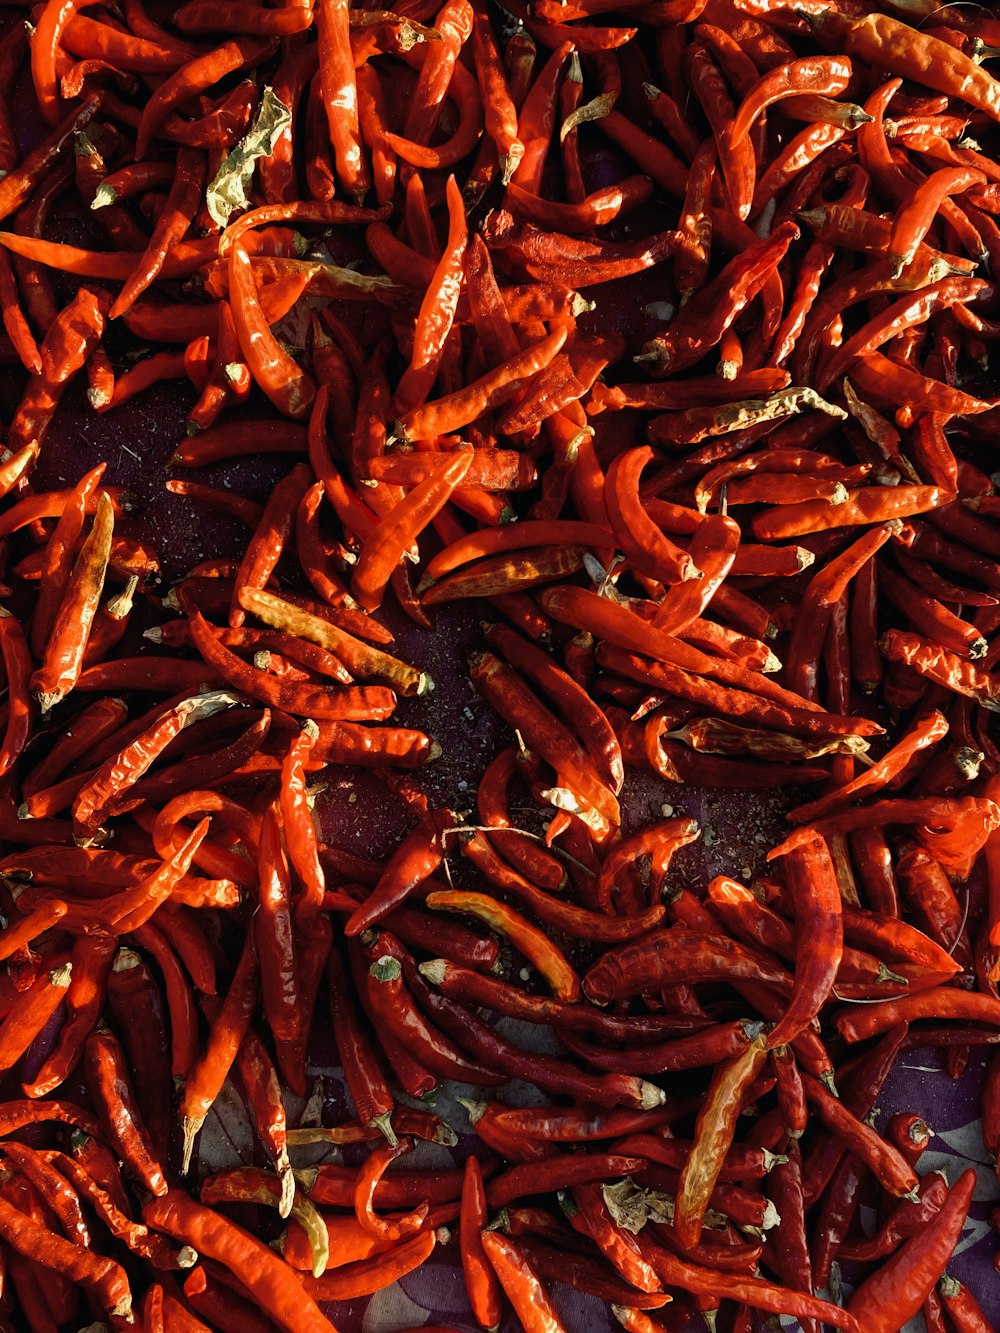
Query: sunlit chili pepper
[[713, 1136]]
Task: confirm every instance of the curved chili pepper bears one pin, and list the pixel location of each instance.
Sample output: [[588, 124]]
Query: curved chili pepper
[[106, 1073], [370, 1275], [180, 1002], [474, 988], [414, 861], [963, 1309], [531, 942], [392, 536], [713, 1137], [889, 44], [273, 1285], [106, 788], [545, 1071], [207, 1075], [369, 1090], [269, 538], [369, 1175], [197, 75], [496, 387], [289, 388], [824, 75], [701, 324], [500, 113], [172, 224], [899, 1287], [526, 1293]]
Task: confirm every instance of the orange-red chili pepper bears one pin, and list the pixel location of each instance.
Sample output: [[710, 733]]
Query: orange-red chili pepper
[[525, 1291], [899, 1288], [106, 1067], [393, 535], [207, 1075], [92, 959]]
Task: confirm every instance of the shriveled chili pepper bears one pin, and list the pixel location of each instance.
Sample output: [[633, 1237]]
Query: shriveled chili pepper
[[206, 1077], [713, 1136], [63, 658], [899, 1287], [106, 1071], [523, 1288], [138, 1010], [530, 941], [105, 1279], [273, 1285]]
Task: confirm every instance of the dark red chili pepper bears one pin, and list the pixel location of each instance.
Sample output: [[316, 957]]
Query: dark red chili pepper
[[369, 1091], [139, 1013], [106, 1073], [900, 1287]]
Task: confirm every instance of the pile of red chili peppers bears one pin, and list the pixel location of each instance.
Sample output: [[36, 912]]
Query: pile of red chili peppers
[[745, 537]]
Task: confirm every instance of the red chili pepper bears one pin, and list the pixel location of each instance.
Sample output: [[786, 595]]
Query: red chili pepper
[[106, 1067], [369, 1175], [274, 1287], [106, 1280], [414, 861], [394, 1006], [138, 1010], [273, 931], [524, 1290], [31, 1011], [269, 538], [392, 536], [180, 1002], [63, 657], [900, 1287], [812, 881], [207, 1075]]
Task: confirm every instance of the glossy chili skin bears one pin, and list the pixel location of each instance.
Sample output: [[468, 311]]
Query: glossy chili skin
[[716, 585], [106, 1068]]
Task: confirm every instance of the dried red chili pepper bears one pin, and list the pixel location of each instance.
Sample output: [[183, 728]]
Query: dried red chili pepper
[[272, 1284], [392, 1003], [138, 1010], [207, 1075]]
